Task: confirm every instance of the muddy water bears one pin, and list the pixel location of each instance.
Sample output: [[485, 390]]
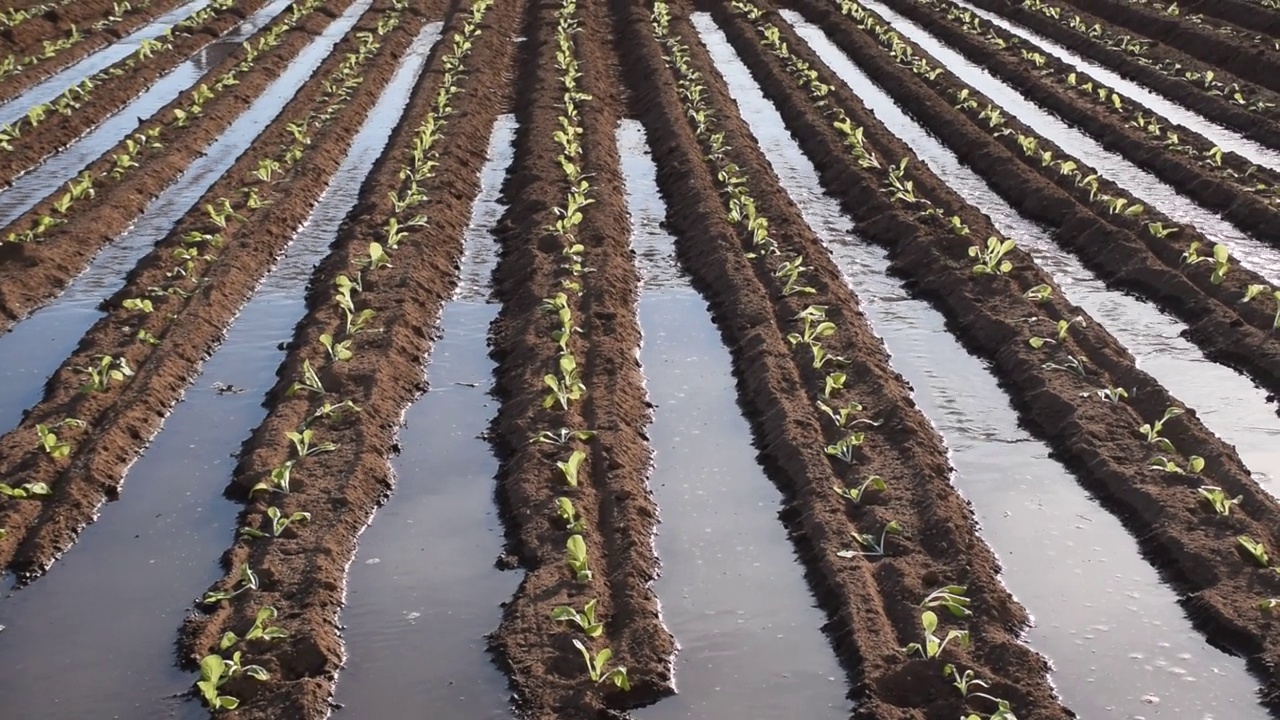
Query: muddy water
[[743, 653], [424, 575], [1224, 137], [1228, 403], [49, 176], [1117, 636], [53, 86], [149, 556], [1262, 258], [35, 347]]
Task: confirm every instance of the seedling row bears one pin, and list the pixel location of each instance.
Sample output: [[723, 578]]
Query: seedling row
[[917, 612]]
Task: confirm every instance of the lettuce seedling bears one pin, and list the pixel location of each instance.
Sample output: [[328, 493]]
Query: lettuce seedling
[[933, 645], [215, 671], [991, 258], [1004, 711], [309, 381], [49, 442], [1039, 342], [834, 381], [596, 667], [963, 682], [585, 619], [330, 410], [576, 552], [1071, 364], [106, 370], [1112, 395], [562, 436], [569, 468], [950, 597], [278, 480], [1195, 464], [279, 522], [304, 443], [843, 417], [845, 447], [1268, 604], [1218, 499], [259, 631], [566, 511], [875, 482], [874, 547], [25, 491], [1039, 293], [339, 351], [1151, 431], [248, 581], [1256, 549], [1254, 291]]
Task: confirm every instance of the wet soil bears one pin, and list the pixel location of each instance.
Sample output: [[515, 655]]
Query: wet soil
[[612, 495], [113, 93], [142, 13], [1096, 439], [1119, 248], [302, 572], [121, 420], [870, 602], [1220, 187], [1261, 126], [32, 273], [1248, 55]]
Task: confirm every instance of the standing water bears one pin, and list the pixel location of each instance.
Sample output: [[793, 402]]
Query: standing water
[[423, 591], [1119, 640], [743, 652]]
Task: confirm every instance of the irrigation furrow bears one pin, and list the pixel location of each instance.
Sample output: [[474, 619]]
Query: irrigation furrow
[[56, 239], [871, 588], [1230, 405], [569, 289], [1050, 525], [424, 575], [34, 348], [112, 394], [742, 652], [1246, 194], [74, 46], [145, 585], [1201, 223], [1123, 239], [1251, 56], [78, 153], [1174, 74], [387, 318], [48, 126], [12, 111], [24, 24], [1248, 14], [1229, 139], [1192, 546]]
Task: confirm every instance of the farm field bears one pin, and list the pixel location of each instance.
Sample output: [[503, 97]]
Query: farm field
[[663, 359]]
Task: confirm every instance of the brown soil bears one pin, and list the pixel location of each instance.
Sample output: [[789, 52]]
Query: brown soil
[[1246, 14], [303, 574], [613, 495], [1221, 188], [114, 93], [1264, 127], [33, 273], [1116, 247], [1233, 49], [143, 12], [1192, 547], [125, 417], [872, 603], [29, 35]]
